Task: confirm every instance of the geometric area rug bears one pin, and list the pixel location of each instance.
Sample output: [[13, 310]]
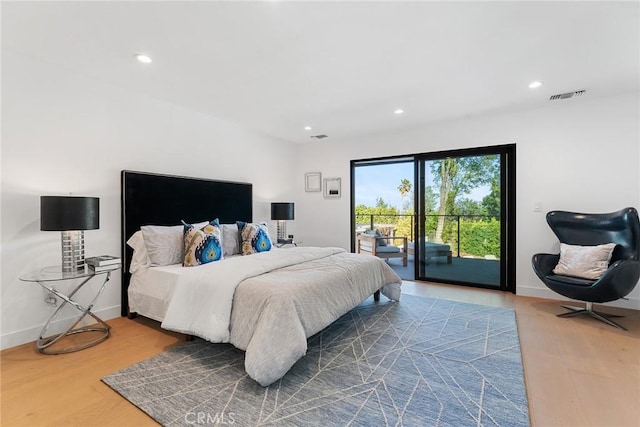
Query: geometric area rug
[[416, 362]]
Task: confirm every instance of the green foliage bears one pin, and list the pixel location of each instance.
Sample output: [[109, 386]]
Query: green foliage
[[404, 227], [384, 214], [430, 200], [478, 237], [491, 202], [457, 176], [468, 207], [380, 203]]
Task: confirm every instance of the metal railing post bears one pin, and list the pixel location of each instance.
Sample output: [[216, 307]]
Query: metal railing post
[[458, 235], [413, 237]]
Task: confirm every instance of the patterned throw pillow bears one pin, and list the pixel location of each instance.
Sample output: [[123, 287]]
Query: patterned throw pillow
[[202, 245], [255, 237]]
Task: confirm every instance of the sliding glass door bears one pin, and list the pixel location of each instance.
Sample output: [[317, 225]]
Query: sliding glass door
[[383, 200], [465, 217], [455, 208]]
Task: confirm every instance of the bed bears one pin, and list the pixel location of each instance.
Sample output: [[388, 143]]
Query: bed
[[266, 304]]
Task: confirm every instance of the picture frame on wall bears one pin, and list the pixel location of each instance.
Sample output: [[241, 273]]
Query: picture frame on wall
[[332, 188], [312, 182]]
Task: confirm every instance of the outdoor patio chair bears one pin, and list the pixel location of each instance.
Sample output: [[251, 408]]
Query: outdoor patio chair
[[380, 246]]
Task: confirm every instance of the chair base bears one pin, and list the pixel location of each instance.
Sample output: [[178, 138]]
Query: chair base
[[588, 309]]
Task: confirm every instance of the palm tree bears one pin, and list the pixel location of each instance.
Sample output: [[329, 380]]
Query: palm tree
[[405, 226], [405, 187]]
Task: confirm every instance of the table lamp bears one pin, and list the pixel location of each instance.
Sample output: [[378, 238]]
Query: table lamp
[[71, 216], [282, 212]]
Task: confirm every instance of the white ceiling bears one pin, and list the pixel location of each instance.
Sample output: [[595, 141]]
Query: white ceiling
[[342, 68]]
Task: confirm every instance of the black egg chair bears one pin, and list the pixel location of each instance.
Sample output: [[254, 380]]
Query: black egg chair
[[623, 229]]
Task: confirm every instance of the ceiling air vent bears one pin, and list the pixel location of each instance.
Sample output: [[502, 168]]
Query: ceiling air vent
[[567, 95], [319, 136]]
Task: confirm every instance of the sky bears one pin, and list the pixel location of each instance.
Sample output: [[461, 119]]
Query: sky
[[381, 181], [376, 181]]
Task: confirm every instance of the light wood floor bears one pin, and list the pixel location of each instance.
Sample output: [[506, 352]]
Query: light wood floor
[[578, 371]]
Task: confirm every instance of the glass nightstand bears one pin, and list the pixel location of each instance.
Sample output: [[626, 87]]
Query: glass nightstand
[[47, 278], [283, 242]]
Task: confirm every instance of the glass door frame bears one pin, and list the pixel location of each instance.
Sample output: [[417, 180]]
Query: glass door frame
[[507, 154], [404, 158], [507, 211]]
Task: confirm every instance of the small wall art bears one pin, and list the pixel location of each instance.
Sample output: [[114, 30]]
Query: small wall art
[[332, 187], [312, 181]]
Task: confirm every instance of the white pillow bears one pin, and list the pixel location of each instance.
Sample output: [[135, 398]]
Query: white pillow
[[140, 257], [230, 239], [587, 262], [165, 245]]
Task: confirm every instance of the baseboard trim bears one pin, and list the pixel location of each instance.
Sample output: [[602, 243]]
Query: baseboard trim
[[631, 303], [28, 335]]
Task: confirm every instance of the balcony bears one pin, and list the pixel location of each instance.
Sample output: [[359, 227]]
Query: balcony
[[470, 270], [474, 241]]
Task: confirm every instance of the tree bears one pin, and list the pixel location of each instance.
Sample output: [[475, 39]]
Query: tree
[[491, 203], [405, 187], [458, 176], [380, 203], [382, 213], [469, 207], [430, 200]]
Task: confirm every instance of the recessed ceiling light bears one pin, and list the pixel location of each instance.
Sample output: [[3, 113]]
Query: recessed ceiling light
[[398, 111], [145, 59], [534, 85], [307, 128]]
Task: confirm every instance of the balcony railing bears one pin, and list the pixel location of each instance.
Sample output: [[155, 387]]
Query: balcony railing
[[468, 235]]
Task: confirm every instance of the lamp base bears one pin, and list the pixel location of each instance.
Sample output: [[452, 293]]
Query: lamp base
[[72, 251], [282, 230]]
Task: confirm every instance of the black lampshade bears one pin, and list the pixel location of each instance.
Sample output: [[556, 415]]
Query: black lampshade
[[62, 213], [282, 211]]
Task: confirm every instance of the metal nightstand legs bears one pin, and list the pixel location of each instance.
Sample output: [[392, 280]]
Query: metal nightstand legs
[[102, 327]]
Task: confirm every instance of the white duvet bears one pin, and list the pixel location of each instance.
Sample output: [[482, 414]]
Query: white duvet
[[270, 303]]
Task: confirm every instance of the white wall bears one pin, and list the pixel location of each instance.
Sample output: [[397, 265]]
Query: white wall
[[63, 132], [577, 155]]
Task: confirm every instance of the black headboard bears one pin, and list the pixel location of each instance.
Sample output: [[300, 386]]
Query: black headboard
[[153, 199]]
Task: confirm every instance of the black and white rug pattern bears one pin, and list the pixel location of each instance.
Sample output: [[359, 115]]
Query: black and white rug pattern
[[417, 362]]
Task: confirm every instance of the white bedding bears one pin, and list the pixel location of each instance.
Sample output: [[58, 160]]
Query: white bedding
[[203, 296], [282, 297], [150, 290]]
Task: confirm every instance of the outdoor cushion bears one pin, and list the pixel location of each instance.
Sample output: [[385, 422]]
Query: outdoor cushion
[[389, 249], [432, 247]]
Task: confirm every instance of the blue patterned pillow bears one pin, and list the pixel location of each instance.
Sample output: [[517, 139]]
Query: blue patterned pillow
[[255, 237], [202, 245]]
